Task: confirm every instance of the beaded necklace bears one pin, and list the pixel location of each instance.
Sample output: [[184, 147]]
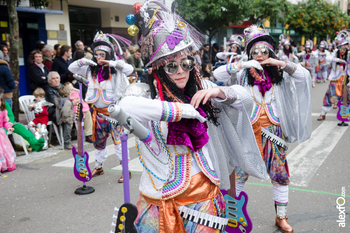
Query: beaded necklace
[[166, 151]]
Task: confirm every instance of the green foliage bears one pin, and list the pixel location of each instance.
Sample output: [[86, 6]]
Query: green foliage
[[259, 10], [316, 17], [211, 15]]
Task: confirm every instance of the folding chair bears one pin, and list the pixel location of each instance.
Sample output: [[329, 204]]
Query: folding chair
[[24, 102]]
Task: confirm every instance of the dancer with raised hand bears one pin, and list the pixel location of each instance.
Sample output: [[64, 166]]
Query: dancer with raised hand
[[338, 74], [195, 144], [107, 74], [309, 60], [286, 52], [281, 114]]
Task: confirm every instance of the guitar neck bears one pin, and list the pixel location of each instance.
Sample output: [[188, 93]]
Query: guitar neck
[[80, 140]]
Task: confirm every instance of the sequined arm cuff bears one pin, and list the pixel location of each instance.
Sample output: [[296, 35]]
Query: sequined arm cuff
[[171, 112], [230, 95], [290, 68], [231, 68], [80, 63]]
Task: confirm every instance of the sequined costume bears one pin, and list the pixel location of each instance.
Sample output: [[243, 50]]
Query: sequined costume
[[186, 161], [102, 92], [281, 113]]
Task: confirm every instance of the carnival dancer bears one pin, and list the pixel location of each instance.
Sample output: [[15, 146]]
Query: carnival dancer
[[282, 111], [187, 158], [338, 74], [286, 53], [235, 52], [331, 53], [107, 81], [309, 60], [321, 69]]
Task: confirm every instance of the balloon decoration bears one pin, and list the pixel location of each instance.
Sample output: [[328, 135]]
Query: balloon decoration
[[130, 19], [137, 7], [133, 30]]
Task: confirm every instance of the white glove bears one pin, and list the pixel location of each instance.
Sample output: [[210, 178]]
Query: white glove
[[88, 62], [117, 64], [189, 112], [340, 60], [251, 64], [301, 53], [224, 55]]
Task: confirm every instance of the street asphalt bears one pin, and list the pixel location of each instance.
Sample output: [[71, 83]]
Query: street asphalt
[[39, 197]]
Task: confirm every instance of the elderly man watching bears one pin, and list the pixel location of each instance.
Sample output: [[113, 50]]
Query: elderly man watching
[[79, 45], [47, 57], [52, 92]]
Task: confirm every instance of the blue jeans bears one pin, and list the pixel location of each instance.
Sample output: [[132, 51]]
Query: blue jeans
[[9, 101]]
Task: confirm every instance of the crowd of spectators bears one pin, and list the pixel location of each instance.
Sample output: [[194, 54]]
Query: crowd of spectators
[[48, 69]]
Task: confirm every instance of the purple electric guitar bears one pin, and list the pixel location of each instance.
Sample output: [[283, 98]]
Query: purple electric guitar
[[81, 167], [236, 210], [81, 158], [343, 112]]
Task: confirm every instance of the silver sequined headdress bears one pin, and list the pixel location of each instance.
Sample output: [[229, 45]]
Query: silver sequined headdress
[[343, 38], [110, 43], [253, 34], [236, 39], [164, 33]]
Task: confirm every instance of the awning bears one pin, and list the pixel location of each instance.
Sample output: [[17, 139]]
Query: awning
[[39, 11]]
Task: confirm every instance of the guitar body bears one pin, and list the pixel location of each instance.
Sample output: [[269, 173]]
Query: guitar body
[[126, 217], [236, 212], [81, 166], [343, 112]]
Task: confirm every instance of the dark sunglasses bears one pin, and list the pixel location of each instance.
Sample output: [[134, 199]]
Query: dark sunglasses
[[99, 54], [172, 66]]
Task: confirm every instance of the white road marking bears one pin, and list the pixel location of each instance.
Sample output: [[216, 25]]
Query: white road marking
[[110, 148], [134, 166], [328, 114], [307, 158]]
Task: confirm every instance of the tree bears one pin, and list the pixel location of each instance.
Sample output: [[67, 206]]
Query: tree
[[212, 15], [259, 10], [14, 39], [316, 17]]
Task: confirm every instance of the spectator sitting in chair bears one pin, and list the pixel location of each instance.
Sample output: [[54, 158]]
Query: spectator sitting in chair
[[52, 92], [64, 114]]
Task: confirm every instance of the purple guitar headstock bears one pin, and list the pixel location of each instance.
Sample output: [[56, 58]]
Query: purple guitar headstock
[[81, 167]]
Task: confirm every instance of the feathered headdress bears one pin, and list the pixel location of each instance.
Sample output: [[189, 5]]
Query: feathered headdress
[[309, 44], [254, 34], [164, 33], [285, 39], [110, 43], [324, 44], [343, 37], [236, 39]]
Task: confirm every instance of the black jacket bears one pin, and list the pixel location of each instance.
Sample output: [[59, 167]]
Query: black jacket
[[50, 94], [37, 77], [61, 66]]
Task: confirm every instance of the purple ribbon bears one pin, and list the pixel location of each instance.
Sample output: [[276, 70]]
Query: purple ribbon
[[265, 85], [100, 75]]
